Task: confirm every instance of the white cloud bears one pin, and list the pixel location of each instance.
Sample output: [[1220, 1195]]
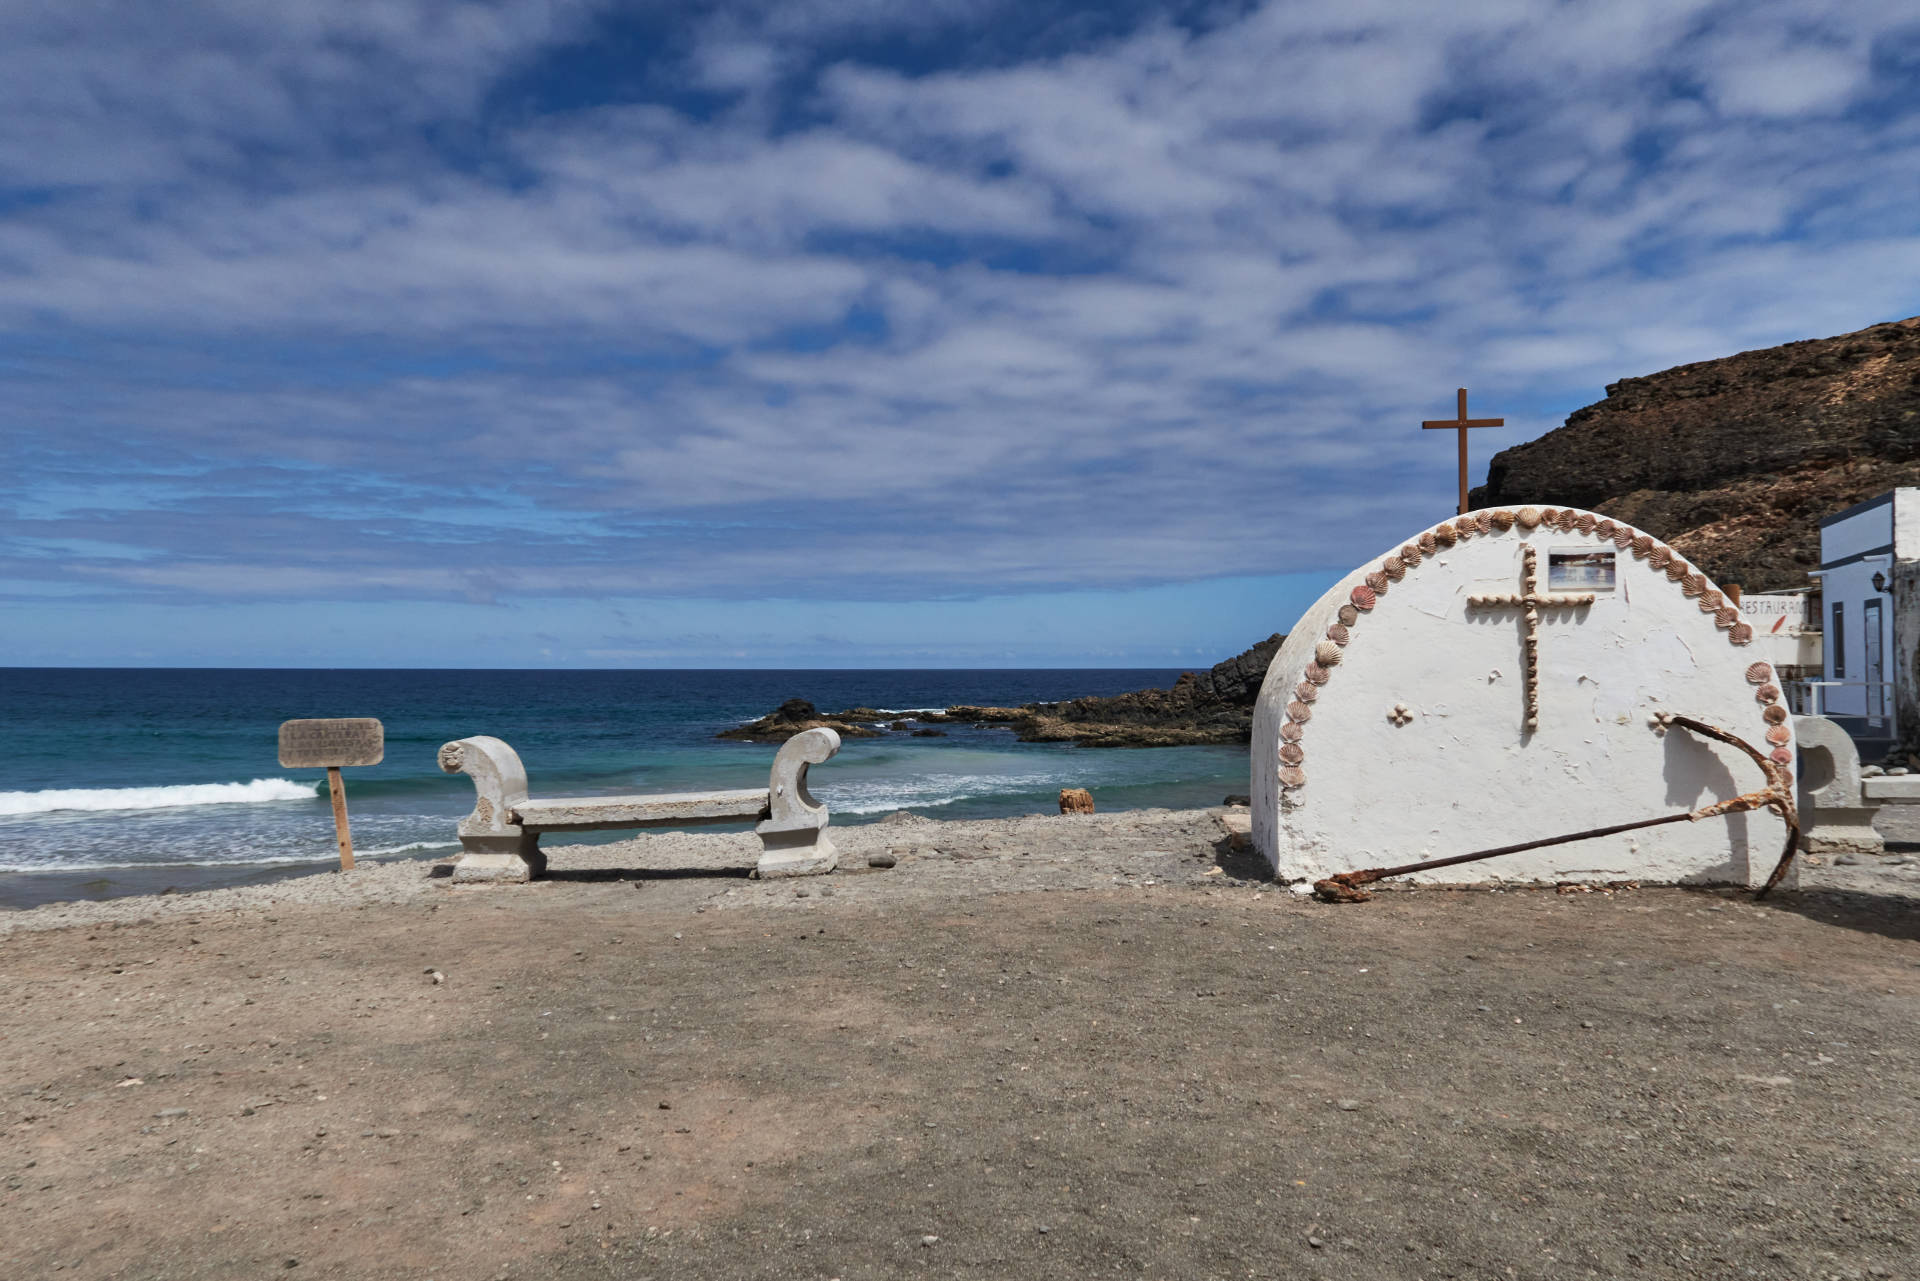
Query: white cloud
[[1163, 305]]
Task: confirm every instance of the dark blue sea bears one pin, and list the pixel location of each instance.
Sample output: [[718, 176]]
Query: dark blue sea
[[123, 781]]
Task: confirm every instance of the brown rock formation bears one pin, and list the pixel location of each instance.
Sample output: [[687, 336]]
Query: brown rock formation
[[1734, 461], [1076, 800]]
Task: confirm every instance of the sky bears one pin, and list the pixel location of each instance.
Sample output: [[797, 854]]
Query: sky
[[848, 333]]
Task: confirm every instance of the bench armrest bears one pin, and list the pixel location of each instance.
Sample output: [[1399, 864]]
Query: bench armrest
[[791, 807], [499, 779]]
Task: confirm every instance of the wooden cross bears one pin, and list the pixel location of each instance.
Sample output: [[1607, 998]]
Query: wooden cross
[[1463, 422], [1531, 598]]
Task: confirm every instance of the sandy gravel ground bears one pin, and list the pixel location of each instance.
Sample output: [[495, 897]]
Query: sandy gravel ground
[[1046, 1047]]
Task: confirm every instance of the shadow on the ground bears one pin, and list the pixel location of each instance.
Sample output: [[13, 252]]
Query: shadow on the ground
[[1894, 916], [593, 874], [444, 871], [1240, 864]]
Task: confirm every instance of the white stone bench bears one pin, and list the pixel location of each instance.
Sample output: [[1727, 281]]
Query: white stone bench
[[500, 840], [1837, 800]]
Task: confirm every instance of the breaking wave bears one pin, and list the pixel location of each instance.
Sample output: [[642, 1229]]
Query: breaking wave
[[931, 790], [258, 791], [238, 859]]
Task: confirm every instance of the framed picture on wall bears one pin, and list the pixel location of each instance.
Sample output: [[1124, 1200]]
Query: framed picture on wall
[[1580, 571]]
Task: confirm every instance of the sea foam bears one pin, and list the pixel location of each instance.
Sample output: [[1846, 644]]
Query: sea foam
[[153, 798]]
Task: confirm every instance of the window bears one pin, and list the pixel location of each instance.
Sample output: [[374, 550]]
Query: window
[[1837, 642]]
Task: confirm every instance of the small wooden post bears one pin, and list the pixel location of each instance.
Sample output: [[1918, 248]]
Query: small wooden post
[[330, 744], [341, 832]]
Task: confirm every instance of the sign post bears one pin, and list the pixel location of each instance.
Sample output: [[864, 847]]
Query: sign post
[[357, 740]]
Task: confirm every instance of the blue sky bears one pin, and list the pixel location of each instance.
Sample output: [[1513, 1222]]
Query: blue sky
[[847, 333]]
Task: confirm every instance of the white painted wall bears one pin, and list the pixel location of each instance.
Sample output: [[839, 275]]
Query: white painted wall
[[1463, 775], [1848, 583], [1857, 532], [1782, 631], [1906, 523]]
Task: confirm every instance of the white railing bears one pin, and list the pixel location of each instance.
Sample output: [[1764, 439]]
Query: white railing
[[1870, 699]]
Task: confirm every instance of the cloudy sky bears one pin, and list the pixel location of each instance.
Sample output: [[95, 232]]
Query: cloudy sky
[[860, 332]]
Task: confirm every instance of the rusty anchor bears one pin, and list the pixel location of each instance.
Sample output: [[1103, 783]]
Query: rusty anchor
[[1777, 796]]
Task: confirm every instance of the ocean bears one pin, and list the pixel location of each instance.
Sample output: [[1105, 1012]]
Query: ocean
[[131, 781]]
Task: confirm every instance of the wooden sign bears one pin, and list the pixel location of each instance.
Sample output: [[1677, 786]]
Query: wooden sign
[[351, 740], [355, 740]]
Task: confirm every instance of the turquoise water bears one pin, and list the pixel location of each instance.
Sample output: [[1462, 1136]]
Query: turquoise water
[[126, 781]]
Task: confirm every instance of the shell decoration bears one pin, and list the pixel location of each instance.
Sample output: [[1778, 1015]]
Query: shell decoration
[[1364, 598], [1292, 776]]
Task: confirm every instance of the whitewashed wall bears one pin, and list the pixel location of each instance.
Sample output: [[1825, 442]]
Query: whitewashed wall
[[1463, 774], [1872, 529]]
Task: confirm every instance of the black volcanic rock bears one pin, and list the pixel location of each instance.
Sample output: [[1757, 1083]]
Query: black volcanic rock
[[794, 716], [1734, 461], [1214, 706]]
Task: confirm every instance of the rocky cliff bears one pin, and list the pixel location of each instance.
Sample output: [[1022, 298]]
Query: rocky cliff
[[1214, 706], [1734, 461]]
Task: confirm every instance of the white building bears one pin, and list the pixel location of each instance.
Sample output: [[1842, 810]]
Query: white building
[[1786, 631], [1864, 683]]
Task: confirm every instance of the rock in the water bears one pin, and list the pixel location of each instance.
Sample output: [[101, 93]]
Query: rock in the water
[[929, 733], [796, 715], [1076, 800], [1210, 707]]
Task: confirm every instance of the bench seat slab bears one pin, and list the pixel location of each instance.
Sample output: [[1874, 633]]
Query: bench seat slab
[[590, 813]]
